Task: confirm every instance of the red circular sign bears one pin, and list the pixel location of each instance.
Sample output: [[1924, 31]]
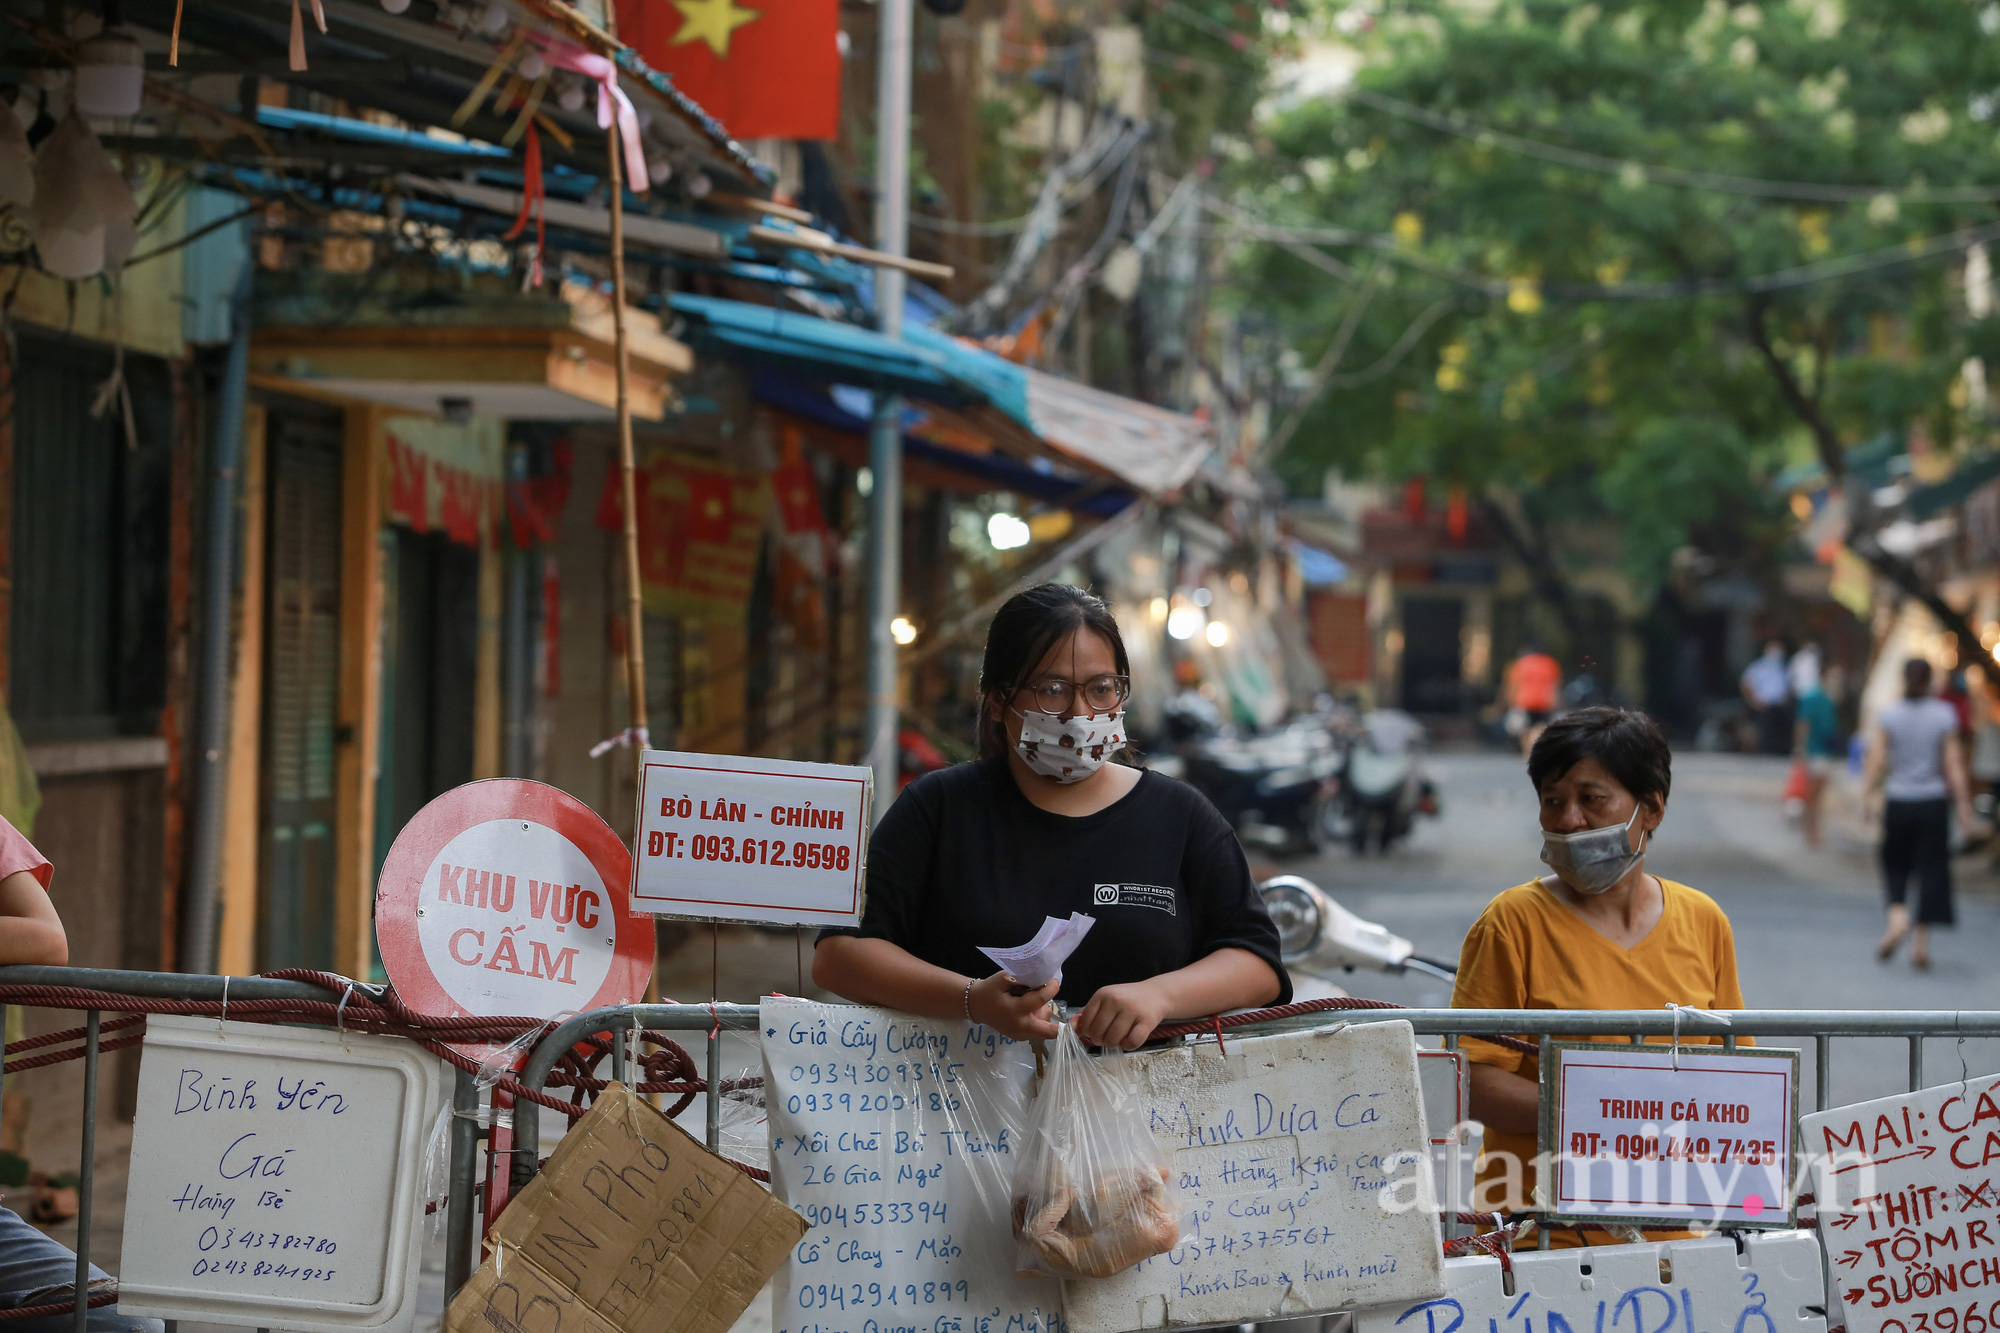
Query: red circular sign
[[508, 897]]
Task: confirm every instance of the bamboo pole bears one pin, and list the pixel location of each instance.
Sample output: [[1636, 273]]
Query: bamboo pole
[[635, 644]]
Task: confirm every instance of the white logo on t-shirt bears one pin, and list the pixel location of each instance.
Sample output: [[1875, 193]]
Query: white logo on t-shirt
[[1134, 895]]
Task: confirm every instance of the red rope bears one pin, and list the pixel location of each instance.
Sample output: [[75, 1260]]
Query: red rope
[[1215, 1022], [97, 1299], [356, 1011]]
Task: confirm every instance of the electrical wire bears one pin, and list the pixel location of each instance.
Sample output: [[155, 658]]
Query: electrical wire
[[1392, 358], [1653, 173], [1802, 275]]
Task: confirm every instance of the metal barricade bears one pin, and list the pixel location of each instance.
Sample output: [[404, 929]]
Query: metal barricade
[[30, 986]]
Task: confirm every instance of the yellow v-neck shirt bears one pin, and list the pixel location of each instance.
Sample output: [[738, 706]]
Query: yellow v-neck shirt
[[1528, 950]]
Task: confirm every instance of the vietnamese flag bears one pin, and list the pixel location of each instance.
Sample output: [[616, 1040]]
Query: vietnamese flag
[[767, 69]]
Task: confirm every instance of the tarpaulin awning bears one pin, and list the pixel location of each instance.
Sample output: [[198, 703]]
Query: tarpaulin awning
[[1956, 489], [1150, 447]]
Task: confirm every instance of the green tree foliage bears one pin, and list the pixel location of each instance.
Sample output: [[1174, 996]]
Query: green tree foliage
[[1683, 245]]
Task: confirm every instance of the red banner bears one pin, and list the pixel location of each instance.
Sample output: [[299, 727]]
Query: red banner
[[699, 528]]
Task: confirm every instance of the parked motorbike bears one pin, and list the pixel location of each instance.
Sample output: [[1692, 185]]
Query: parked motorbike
[[1278, 789], [1382, 787]]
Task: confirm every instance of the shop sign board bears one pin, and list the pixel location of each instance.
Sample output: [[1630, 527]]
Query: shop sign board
[[1303, 1165], [1649, 1133], [275, 1177], [727, 838], [1770, 1285], [1301, 1161], [895, 1139], [507, 898], [1907, 1194]]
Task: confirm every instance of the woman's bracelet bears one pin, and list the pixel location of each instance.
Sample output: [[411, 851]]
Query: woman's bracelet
[[968, 1001]]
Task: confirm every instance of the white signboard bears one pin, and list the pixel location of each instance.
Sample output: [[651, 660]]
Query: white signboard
[[1688, 1286], [275, 1177], [894, 1138], [1304, 1171], [1638, 1140], [1907, 1191], [751, 839]]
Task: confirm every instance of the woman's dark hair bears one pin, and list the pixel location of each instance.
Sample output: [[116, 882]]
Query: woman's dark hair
[[1021, 635], [1916, 678], [1629, 744]]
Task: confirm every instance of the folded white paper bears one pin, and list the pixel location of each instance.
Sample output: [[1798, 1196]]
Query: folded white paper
[[1040, 960]]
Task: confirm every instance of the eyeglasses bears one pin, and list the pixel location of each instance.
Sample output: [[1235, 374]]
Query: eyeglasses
[[1099, 694]]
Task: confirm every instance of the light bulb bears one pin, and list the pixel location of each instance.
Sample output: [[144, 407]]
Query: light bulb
[[532, 65], [395, 6], [1184, 622], [571, 97], [902, 631], [1158, 608], [110, 76], [493, 19], [1006, 532], [1218, 633]]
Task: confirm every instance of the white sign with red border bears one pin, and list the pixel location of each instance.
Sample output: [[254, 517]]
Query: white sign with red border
[[734, 839], [509, 898], [1642, 1134]]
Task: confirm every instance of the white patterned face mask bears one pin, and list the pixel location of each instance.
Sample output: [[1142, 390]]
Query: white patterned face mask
[[1069, 749]]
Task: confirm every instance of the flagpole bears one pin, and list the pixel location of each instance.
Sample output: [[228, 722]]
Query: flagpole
[[885, 443]]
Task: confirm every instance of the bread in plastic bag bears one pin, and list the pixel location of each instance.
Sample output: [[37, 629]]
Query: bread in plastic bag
[[1092, 1188]]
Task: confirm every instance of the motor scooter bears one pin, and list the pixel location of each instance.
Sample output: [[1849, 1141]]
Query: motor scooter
[[1382, 788]]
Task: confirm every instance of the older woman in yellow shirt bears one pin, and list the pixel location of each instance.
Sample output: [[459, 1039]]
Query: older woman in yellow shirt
[[1597, 933]]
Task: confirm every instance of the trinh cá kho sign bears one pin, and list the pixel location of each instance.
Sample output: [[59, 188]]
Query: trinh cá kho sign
[[1645, 1134], [1908, 1193]]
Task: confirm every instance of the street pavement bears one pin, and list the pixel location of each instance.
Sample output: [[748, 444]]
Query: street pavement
[[1806, 922]]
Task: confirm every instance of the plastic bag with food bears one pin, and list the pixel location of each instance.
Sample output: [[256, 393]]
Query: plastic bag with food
[[1092, 1190]]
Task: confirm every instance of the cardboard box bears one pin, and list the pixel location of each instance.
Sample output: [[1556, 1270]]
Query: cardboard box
[[631, 1225]]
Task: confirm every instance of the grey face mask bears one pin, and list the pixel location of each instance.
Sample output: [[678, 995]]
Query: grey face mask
[[1593, 860]]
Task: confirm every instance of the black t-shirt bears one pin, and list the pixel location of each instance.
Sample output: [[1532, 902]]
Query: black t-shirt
[[963, 859]]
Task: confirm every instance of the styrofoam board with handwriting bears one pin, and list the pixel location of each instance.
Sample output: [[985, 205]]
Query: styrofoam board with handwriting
[[893, 1136], [1285, 1149], [275, 1177], [1907, 1194], [1703, 1286]]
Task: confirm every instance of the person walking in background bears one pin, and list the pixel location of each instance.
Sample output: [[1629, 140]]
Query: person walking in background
[[1534, 684], [1804, 671], [1766, 686], [1917, 760], [1816, 744]]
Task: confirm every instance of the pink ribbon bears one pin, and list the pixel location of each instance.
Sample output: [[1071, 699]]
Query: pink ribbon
[[567, 55]]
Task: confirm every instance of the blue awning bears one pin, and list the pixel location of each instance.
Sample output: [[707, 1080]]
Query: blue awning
[[925, 365], [1022, 412]]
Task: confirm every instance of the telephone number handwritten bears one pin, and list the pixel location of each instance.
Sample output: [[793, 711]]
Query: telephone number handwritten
[[859, 1296], [213, 1239]]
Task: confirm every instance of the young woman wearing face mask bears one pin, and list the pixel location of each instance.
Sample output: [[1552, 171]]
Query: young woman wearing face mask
[[1599, 932], [1044, 824]]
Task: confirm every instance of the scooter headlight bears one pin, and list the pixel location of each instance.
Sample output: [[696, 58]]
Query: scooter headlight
[[1297, 910]]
